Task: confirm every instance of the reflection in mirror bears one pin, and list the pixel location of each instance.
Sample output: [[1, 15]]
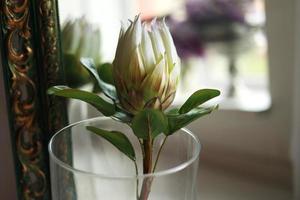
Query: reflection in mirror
[[222, 43]]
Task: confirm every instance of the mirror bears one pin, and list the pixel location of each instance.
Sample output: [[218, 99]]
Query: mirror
[[222, 44]]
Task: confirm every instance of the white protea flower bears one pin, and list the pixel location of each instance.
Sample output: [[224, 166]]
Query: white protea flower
[[146, 67]]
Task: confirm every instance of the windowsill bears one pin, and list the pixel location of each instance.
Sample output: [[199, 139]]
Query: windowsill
[[245, 99], [250, 102], [217, 183]]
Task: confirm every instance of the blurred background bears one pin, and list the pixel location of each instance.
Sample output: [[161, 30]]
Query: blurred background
[[222, 43], [246, 49]]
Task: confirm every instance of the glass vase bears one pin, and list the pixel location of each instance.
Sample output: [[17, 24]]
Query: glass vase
[[85, 166]]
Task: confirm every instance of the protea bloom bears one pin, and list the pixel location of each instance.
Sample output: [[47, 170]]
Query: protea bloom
[[146, 66]]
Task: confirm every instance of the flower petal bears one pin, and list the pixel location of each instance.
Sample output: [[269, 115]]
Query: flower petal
[[157, 42], [136, 70], [153, 84], [168, 44], [147, 51]]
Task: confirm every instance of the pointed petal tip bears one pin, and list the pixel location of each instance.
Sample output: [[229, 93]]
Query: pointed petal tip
[[137, 19], [153, 21], [138, 15]]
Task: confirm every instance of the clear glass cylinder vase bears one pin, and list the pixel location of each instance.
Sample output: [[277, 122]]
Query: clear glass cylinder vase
[[85, 166]]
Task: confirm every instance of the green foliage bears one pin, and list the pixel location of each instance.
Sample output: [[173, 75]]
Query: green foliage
[[106, 74], [149, 123], [118, 139], [172, 111], [100, 104], [122, 116], [197, 98], [178, 121], [76, 74], [108, 89]]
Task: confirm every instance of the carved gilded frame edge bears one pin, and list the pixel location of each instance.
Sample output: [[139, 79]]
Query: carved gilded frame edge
[[31, 62]]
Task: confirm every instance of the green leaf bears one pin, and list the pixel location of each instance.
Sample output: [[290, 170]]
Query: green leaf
[[118, 139], [178, 121], [103, 106], [149, 123], [105, 72], [122, 115], [197, 98], [172, 111], [108, 89], [76, 74]]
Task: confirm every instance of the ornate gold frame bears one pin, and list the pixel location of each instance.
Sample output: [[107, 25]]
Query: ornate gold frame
[[31, 52]]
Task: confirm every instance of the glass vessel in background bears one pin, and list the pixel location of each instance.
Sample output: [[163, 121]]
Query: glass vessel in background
[[95, 169]]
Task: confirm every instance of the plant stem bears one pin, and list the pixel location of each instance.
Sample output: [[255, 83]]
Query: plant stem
[[147, 167], [137, 180], [147, 146], [147, 162], [158, 153], [146, 188]]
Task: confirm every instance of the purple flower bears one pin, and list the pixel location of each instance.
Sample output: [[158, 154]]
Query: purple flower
[[214, 11], [187, 40], [217, 20], [207, 21]]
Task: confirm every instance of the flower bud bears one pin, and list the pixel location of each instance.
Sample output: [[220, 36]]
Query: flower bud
[[146, 66]]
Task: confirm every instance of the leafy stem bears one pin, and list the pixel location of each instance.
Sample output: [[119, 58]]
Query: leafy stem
[[146, 124]]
